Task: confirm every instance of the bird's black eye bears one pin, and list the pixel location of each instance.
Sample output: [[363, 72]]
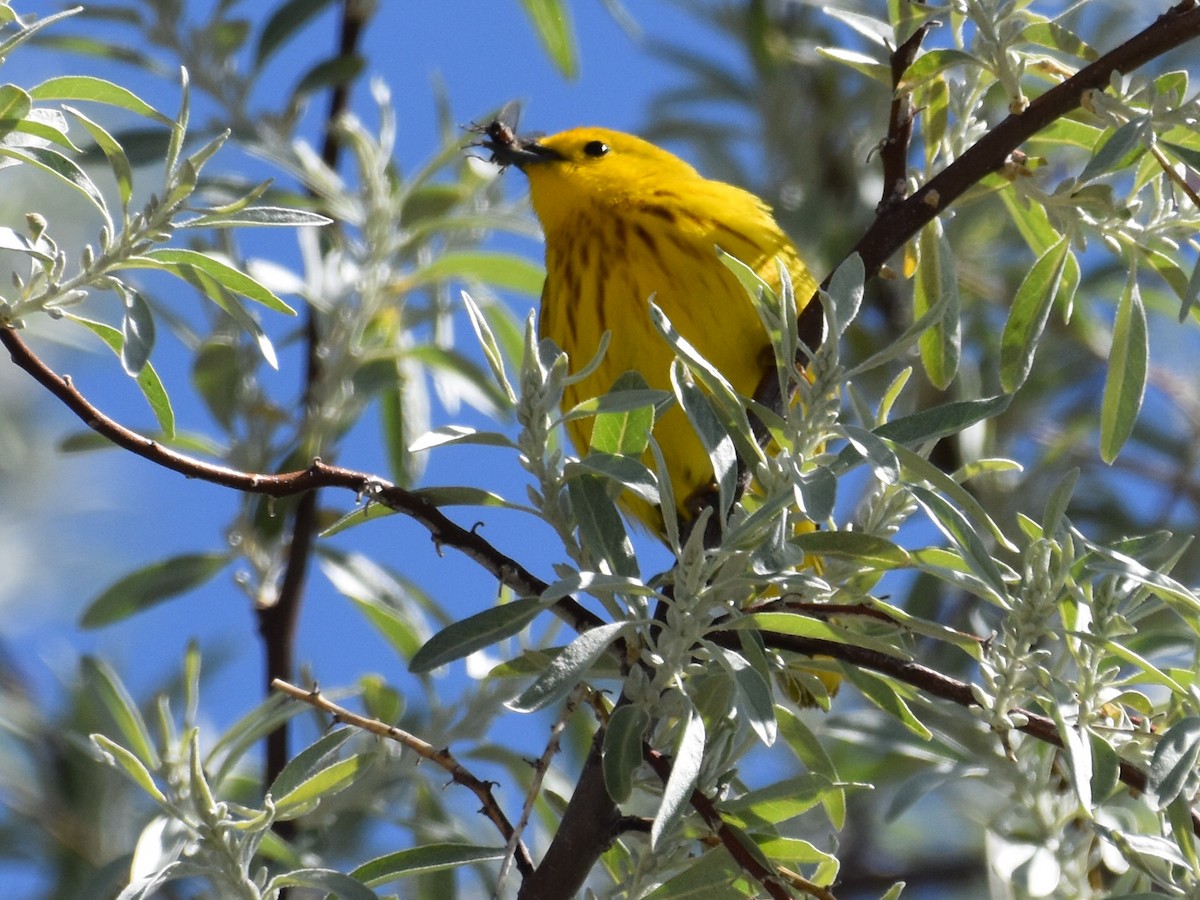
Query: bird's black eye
[[595, 148]]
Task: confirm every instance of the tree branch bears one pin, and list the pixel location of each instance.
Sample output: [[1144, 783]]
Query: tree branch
[[443, 530], [278, 621], [931, 682], [896, 224], [589, 825], [442, 758]]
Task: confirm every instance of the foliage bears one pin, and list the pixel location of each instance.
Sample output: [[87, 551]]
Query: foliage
[[986, 616]]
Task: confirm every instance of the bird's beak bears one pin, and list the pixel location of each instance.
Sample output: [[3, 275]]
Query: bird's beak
[[519, 152]]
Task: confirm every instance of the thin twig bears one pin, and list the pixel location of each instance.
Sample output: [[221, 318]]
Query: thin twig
[[443, 531], [540, 767], [442, 758], [749, 863], [277, 622]]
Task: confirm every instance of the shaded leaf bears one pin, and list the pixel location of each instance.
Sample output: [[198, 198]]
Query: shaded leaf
[[1125, 381], [151, 585], [623, 749], [417, 860], [568, 668], [551, 20], [475, 632], [147, 379], [1030, 310]]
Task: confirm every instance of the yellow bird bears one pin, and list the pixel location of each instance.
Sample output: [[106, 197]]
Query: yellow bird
[[626, 222]]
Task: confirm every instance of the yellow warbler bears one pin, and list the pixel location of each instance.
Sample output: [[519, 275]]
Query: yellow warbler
[[626, 222]]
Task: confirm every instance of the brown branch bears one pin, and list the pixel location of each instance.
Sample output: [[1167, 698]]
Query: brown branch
[[278, 621], [443, 530], [741, 854], [589, 825], [931, 682], [896, 224], [541, 766], [893, 153], [442, 758]]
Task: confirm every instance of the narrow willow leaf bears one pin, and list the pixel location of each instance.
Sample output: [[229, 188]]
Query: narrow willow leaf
[[491, 347], [877, 451], [623, 749], [711, 876], [1054, 36], [818, 629], [308, 793], [1078, 752], [917, 468], [97, 90], [940, 421], [884, 695], [179, 262], [962, 533], [551, 20], [626, 471], [19, 243], [861, 63], [724, 399], [1030, 310], [809, 750], [152, 585], [1179, 814], [1125, 382], [383, 597], [618, 401], [335, 71], [626, 432], [568, 668], [105, 685], [113, 152], [846, 291], [147, 379], [685, 770], [327, 882], [287, 19], [869, 550], [137, 333], [504, 270], [15, 105], [475, 632], [601, 527], [1173, 766], [755, 693], [62, 168], [933, 63], [1057, 502], [779, 802], [425, 859], [460, 434], [937, 283], [308, 761], [257, 216], [716, 439], [464, 495], [1106, 767], [131, 765], [1118, 152]]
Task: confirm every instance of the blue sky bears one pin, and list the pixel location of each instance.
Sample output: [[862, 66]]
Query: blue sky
[[76, 523]]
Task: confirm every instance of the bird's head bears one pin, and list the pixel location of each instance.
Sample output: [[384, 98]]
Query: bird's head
[[586, 168]]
